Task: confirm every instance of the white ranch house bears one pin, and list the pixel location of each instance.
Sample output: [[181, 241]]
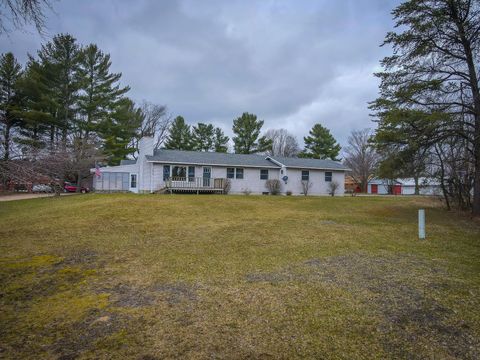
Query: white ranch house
[[192, 171]]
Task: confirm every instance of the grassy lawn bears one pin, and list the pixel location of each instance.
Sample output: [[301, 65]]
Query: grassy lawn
[[152, 276]]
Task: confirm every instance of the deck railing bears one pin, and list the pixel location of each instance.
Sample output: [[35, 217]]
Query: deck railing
[[194, 183]]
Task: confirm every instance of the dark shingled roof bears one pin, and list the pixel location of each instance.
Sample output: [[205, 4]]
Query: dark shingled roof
[[253, 160], [209, 158]]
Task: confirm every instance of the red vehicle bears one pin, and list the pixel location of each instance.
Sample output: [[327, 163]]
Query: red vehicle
[[69, 187]]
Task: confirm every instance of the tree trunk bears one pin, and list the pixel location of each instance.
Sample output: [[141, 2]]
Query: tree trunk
[[417, 188], [79, 180], [473, 82], [476, 181], [52, 137], [8, 128], [442, 178]]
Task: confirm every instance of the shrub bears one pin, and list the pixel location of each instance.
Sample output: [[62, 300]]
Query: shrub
[[273, 186], [306, 185], [289, 193], [333, 186], [227, 184]]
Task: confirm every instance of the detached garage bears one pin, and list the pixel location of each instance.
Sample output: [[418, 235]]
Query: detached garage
[[403, 187], [384, 187]]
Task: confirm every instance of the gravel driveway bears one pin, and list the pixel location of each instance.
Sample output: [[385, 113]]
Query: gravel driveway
[[12, 197]]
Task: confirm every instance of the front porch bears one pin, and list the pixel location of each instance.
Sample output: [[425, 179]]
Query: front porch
[[195, 184]]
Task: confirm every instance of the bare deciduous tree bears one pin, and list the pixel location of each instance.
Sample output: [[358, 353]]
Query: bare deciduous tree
[[333, 187], [23, 12], [283, 143], [361, 157], [306, 185], [52, 166], [156, 123]]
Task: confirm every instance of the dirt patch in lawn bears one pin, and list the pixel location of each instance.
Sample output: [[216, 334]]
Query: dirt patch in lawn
[[84, 257], [177, 292], [129, 295], [401, 291], [84, 334]]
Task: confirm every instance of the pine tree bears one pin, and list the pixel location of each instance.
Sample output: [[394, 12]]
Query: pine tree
[[38, 108], [433, 76], [180, 137], [118, 130], [247, 131], [202, 137], [60, 64], [10, 72], [220, 141], [320, 144], [101, 91]]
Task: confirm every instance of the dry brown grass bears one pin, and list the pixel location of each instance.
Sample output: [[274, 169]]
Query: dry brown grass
[[150, 277]]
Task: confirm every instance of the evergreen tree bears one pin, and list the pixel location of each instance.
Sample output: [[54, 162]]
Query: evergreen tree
[[38, 109], [220, 141], [247, 131], [60, 63], [10, 72], [180, 137], [118, 130], [320, 144], [203, 137], [101, 91], [432, 78]]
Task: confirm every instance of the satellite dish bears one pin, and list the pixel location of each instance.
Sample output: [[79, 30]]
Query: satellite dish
[[285, 179]]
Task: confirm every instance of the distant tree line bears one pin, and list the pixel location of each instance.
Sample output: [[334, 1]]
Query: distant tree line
[[248, 139]]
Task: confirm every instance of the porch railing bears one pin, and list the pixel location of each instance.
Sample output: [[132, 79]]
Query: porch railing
[[195, 183]]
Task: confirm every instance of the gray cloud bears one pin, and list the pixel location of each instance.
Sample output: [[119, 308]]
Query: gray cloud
[[293, 63]]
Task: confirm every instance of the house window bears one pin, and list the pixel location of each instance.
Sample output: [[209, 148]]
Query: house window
[[328, 176], [133, 181], [305, 175], [264, 174], [238, 173], [234, 173], [179, 172], [191, 173], [166, 172]]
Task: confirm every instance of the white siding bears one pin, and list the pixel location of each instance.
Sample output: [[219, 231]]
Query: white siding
[[408, 189], [150, 176], [107, 174], [251, 181], [251, 178], [424, 190], [317, 180]]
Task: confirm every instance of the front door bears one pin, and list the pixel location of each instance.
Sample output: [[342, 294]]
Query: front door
[[374, 188], [207, 172], [133, 186]]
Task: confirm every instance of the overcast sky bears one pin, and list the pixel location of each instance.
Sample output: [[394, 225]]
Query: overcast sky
[[292, 63]]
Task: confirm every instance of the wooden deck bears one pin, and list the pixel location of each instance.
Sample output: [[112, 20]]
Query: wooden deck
[[197, 184]]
